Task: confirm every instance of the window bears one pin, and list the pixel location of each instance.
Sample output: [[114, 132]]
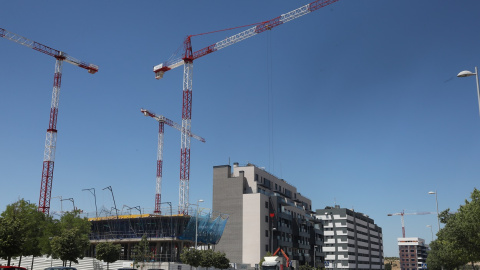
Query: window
[[256, 177], [266, 204], [266, 218], [266, 248], [266, 233]]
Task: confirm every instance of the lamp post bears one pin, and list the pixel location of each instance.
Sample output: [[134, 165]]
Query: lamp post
[[436, 201], [431, 230], [467, 73], [94, 196], [70, 199], [114, 204], [196, 223], [314, 256]]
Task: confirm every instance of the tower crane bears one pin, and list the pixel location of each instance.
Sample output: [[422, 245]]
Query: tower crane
[[162, 120], [403, 221], [51, 138], [187, 61]]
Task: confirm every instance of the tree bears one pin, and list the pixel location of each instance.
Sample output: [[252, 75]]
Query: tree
[[12, 238], [71, 239], [191, 257], [108, 252], [459, 241], [141, 251], [70, 245], [221, 261], [23, 230], [207, 258]]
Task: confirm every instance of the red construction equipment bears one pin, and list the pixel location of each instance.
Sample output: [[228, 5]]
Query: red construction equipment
[[51, 140], [403, 213], [284, 255], [161, 121], [187, 61]]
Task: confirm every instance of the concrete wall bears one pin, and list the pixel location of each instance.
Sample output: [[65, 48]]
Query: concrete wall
[[228, 199]]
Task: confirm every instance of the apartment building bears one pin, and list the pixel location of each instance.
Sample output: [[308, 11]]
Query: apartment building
[[265, 213], [352, 240], [413, 253]]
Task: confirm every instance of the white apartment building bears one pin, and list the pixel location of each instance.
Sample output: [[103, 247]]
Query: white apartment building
[[352, 240]]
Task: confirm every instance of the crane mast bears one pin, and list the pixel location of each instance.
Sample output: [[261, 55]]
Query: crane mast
[[187, 61], [51, 137], [161, 123]]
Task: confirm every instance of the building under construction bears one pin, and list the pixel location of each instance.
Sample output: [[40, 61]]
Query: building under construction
[[167, 235]]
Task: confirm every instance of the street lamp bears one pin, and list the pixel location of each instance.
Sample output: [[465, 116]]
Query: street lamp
[[314, 256], [95, 196], [196, 223], [110, 188], [70, 199], [467, 73], [436, 201], [431, 230]]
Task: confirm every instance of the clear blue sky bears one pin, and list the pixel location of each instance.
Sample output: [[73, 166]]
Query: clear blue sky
[[367, 109]]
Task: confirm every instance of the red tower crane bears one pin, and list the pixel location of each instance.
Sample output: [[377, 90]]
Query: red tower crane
[[187, 61], [403, 221], [161, 121], [51, 139]]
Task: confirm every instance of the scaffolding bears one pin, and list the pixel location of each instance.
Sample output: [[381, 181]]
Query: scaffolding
[[167, 234]]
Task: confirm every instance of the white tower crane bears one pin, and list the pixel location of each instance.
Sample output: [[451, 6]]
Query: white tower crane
[[161, 121]]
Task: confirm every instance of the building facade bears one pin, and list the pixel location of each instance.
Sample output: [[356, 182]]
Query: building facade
[[265, 213], [352, 240], [413, 253]]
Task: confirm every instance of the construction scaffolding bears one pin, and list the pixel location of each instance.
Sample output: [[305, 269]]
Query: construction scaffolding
[[167, 234]]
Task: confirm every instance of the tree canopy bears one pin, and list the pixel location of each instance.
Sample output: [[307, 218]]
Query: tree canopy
[[22, 230], [108, 252], [458, 243]]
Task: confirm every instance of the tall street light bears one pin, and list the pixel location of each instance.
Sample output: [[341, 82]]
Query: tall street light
[[114, 204], [467, 73], [196, 223], [70, 199], [95, 196], [431, 230], [436, 202]]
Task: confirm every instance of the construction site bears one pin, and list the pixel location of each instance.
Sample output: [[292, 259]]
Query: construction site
[[167, 234]]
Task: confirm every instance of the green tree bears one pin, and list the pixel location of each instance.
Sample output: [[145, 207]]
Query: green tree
[[191, 257], [108, 252], [71, 237], [141, 251], [459, 241], [305, 267], [70, 245], [207, 258], [221, 261], [12, 238], [28, 232]]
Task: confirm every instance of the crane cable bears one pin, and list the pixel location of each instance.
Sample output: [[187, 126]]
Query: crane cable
[[270, 108]]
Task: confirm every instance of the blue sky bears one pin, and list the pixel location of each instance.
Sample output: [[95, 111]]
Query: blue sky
[[365, 108]]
